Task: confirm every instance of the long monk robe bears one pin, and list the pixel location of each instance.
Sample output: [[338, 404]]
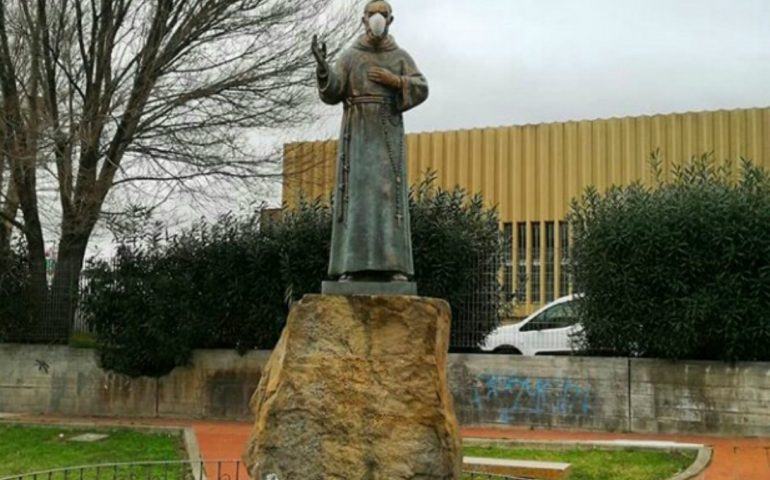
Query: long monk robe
[[371, 231]]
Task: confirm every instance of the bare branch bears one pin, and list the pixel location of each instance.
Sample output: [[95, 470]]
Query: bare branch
[[182, 178]]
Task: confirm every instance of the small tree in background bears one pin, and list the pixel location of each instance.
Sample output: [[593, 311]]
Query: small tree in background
[[15, 318], [680, 269]]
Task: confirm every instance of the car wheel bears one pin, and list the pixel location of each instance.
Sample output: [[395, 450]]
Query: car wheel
[[507, 350]]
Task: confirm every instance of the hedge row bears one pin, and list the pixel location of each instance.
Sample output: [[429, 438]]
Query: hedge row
[[230, 284]]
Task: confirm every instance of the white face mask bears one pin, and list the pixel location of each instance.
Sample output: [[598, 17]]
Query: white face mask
[[377, 25]]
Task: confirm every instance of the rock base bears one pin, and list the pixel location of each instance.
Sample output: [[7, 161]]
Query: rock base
[[356, 389]]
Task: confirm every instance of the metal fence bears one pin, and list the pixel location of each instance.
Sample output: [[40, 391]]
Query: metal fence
[[177, 470], [159, 470], [28, 316], [50, 315], [482, 316], [481, 306]]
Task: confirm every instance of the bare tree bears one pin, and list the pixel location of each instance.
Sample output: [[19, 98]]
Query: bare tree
[[9, 202], [103, 93]]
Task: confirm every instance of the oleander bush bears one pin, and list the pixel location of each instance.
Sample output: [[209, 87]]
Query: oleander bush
[[679, 269]]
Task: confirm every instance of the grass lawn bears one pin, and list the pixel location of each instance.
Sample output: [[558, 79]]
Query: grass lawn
[[599, 464], [30, 449]]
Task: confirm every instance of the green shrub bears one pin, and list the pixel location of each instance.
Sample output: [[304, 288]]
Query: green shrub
[[15, 319], [678, 270], [138, 331], [457, 256], [230, 284], [210, 287]]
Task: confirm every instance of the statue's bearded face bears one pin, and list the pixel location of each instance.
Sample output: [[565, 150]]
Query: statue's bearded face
[[378, 16]]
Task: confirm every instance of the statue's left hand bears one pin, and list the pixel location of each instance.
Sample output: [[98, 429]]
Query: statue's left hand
[[384, 77]]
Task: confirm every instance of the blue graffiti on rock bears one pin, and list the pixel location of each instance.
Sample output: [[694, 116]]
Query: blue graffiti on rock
[[517, 395]]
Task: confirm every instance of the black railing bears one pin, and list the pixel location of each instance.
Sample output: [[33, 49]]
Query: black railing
[[163, 470], [176, 470]]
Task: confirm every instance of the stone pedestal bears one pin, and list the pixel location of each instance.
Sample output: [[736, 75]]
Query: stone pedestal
[[369, 288], [356, 389]]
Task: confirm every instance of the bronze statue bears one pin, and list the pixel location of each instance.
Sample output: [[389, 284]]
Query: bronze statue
[[376, 81]]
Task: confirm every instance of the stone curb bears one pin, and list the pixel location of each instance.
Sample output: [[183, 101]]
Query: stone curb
[[693, 472], [193, 453]]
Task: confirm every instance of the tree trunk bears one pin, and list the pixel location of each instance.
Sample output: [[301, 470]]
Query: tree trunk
[[5, 245], [9, 210], [65, 288], [38, 285]]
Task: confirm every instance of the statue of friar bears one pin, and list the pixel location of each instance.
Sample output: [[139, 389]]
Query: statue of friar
[[377, 82]]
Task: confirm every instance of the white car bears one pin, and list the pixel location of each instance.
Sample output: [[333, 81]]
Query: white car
[[550, 330]]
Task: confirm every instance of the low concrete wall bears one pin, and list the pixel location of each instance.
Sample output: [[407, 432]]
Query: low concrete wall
[[67, 381], [55, 379], [603, 394], [700, 397], [551, 392], [217, 384]]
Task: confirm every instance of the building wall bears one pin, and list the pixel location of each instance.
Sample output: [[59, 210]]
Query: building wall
[[602, 394], [532, 172]]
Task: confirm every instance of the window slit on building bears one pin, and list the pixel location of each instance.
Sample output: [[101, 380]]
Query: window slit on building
[[564, 274], [508, 260], [550, 246], [535, 280], [521, 262]]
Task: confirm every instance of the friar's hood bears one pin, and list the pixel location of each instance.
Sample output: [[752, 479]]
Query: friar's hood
[[365, 43]]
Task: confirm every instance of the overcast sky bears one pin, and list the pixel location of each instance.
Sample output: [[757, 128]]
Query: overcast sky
[[506, 62], [513, 62]]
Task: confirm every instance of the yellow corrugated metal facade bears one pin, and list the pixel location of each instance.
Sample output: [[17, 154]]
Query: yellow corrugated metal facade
[[532, 172]]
